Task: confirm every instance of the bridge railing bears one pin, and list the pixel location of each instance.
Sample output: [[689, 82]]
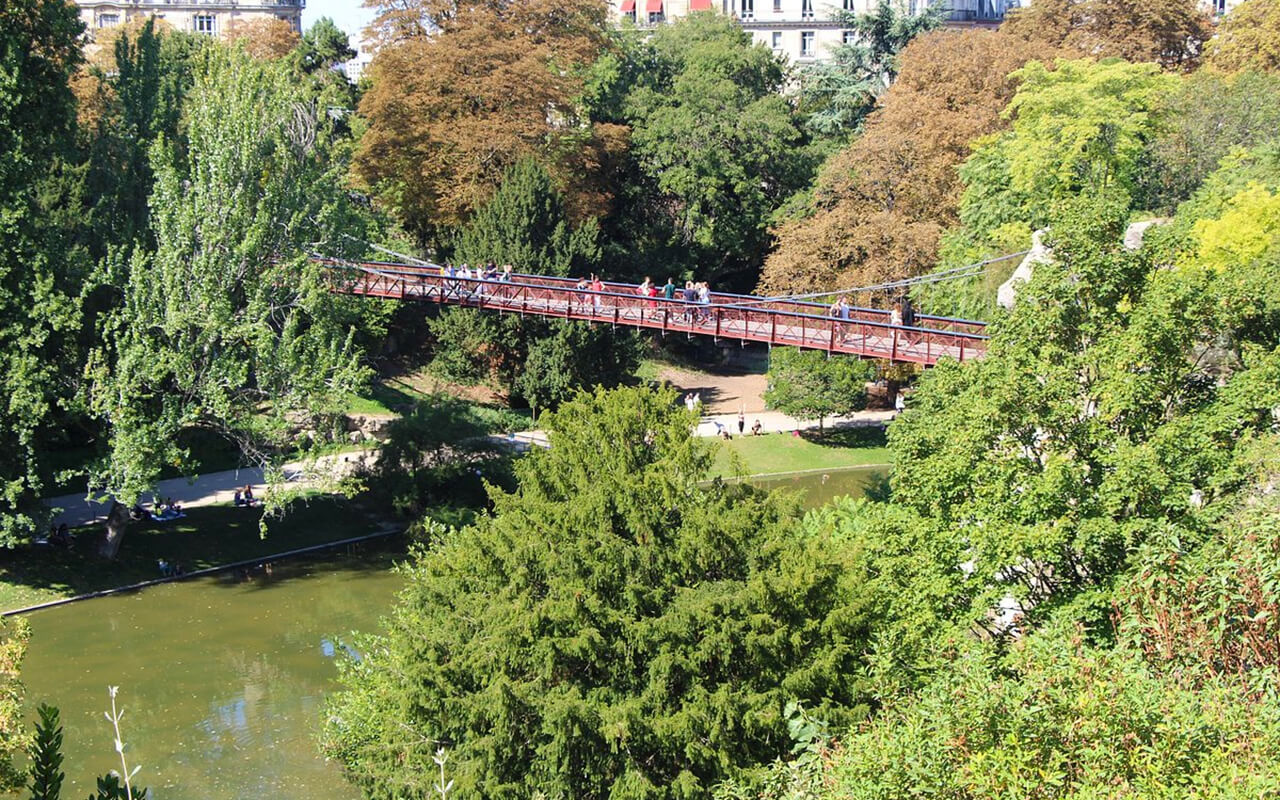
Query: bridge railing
[[867, 334]]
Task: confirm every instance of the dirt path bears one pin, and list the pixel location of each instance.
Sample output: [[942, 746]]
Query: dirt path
[[725, 393]]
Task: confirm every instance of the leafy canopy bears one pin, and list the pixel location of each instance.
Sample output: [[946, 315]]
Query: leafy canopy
[[39, 313], [1081, 127], [227, 325], [525, 225], [810, 384], [617, 628]]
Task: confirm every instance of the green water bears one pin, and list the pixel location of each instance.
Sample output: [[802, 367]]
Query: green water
[[222, 679], [817, 488]]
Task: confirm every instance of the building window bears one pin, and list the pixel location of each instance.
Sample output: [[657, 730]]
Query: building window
[[108, 20], [806, 9], [850, 37], [1220, 6], [656, 17], [777, 6], [748, 9], [777, 40], [206, 24], [806, 44], [848, 5]]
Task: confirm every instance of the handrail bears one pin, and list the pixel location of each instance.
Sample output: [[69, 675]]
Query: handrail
[[568, 284], [401, 270]]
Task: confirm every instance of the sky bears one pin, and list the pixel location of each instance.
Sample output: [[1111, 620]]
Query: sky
[[350, 15]]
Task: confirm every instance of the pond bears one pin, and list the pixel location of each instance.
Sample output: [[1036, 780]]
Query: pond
[[819, 487], [222, 679]]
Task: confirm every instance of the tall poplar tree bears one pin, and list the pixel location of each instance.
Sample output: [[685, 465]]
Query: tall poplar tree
[[227, 325]]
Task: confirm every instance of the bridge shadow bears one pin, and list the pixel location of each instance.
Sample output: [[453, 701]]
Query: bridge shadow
[[208, 536]]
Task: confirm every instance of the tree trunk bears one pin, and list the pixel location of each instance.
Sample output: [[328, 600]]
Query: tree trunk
[[117, 521]]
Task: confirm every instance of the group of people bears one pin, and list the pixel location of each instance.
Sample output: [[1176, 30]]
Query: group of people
[[165, 509], [902, 312], [244, 497], [696, 296], [486, 272]]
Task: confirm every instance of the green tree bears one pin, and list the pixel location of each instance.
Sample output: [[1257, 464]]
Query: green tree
[[228, 325], [46, 756], [323, 47], [525, 224], [618, 627], [39, 50], [576, 356], [1210, 115], [1081, 127], [430, 455], [721, 146], [839, 91], [809, 384]]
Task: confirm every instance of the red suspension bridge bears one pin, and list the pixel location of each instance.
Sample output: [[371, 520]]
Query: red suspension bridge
[[865, 332]]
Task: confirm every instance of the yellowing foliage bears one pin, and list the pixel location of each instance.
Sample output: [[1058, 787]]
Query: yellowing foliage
[[1247, 230]]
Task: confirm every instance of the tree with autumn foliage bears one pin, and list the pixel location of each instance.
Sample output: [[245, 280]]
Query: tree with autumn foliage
[[1171, 33], [264, 37], [460, 93], [1248, 38], [881, 204]]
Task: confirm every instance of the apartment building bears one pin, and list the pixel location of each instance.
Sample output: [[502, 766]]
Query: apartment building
[[209, 17], [803, 30]]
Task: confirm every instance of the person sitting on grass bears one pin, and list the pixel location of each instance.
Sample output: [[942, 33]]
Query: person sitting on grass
[[756, 428]]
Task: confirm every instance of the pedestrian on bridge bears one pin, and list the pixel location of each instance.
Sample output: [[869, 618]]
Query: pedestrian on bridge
[[597, 286]]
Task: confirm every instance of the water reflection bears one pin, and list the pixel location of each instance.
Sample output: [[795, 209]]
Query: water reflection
[[223, 684]]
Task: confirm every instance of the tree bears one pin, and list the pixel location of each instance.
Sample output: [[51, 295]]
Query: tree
[[264, 37], [1081, 127], [39, 50], [449, 111], [1248, 38], [616, 628], [542, 361], [880, 204], [1170, 33], [227, 325], [525, 224], [810, 384], [46, 756], [1210, 115], [323, 47], [576, 356], [718, 141], [14, 637], [839, 91]]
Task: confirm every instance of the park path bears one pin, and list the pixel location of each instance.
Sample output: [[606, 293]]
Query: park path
[[210, 489], [220, 487]]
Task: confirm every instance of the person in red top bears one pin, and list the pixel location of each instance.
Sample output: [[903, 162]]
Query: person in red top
[[597, 286]]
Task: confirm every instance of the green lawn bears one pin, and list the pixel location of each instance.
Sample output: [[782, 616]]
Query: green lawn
[[783, 452], [206, 537]]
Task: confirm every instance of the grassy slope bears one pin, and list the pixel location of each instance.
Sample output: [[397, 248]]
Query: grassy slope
[[783, 452], [207, 536]]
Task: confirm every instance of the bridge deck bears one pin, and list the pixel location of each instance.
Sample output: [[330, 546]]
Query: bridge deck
[[867, 332]]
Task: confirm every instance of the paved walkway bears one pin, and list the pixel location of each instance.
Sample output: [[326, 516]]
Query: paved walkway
[[770, 422], [204, 490], [220, 487]]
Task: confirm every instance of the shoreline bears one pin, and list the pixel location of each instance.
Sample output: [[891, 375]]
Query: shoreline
[[199, 573]]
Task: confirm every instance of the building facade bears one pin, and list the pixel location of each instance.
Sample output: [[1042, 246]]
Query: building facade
[[802, 30], [210, 17]]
